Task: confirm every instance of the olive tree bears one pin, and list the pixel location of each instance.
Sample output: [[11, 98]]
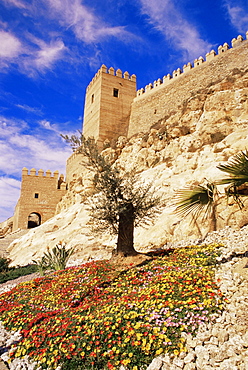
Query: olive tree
[[121, 200]]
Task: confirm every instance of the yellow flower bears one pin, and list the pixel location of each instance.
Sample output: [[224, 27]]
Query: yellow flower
[[159, 351], [126, 362]]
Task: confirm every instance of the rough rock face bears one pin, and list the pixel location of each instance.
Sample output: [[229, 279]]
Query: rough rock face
[[182, 149]]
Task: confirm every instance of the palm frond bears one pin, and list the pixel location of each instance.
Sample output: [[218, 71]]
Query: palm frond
[[237, 168], [195, 200]]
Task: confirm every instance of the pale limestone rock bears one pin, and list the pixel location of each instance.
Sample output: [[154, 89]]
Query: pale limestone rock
[[166, 359], [121, 142], [204, 336], [236, 344], [189, 358], [201, 352], [110, 155], [191, 342], [213, 341], [224, 353], [212, 349], [166, 367], [190, 366], [179, 363], [245, 339], [202, 356], [228, 364], [72, 229], [156, 364]]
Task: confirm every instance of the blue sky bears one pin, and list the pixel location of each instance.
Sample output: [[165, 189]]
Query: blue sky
[[51, 49]]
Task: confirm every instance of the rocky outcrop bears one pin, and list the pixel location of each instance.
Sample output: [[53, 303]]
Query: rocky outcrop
[[170, 166], [6, 227], [8, 239]]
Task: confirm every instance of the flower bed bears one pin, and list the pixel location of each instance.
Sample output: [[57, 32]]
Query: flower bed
[[93, 316]]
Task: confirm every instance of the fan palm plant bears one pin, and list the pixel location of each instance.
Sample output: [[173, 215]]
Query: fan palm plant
[[196, 200], [237, 168]]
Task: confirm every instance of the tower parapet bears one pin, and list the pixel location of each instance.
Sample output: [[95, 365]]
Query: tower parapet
[[33, 172], [111, 71], [188, 67]]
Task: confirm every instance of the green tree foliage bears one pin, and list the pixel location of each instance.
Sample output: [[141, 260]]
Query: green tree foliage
[[121, 200], [237, 169]]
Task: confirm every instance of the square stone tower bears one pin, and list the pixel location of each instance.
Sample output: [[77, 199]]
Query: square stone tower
[[39, 197], [108, 105]]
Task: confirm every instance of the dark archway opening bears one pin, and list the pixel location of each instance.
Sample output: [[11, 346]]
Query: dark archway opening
[[34, 220]]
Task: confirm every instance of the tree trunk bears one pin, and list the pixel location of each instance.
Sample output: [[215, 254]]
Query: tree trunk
[[213, 218], [125, 233]]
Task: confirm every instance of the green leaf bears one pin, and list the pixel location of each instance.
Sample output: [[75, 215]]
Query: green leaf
[[196, 200]]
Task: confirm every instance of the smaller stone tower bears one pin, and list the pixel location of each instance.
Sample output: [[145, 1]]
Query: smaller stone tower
[[39, 197], [108, 105]]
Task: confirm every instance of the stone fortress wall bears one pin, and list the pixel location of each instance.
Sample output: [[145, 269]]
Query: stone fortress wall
[[160, 101], [187, 67]]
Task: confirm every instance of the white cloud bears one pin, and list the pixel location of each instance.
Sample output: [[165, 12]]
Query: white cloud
[[30, 57], [53, 21], [8, 127], [42, 56], [87, 26], [49, 54], [47, 125], [17, 3], [164, 16], [9, 194], [238, 15], [10, 46], [18, 149], [29, 109]]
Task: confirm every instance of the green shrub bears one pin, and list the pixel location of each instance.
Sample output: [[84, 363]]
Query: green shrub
[[4, 264], [14, 273], [54, 260]]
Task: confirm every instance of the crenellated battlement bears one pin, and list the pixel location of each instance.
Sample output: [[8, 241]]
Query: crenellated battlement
[[40, 173], [188, 67], [111, 71]]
